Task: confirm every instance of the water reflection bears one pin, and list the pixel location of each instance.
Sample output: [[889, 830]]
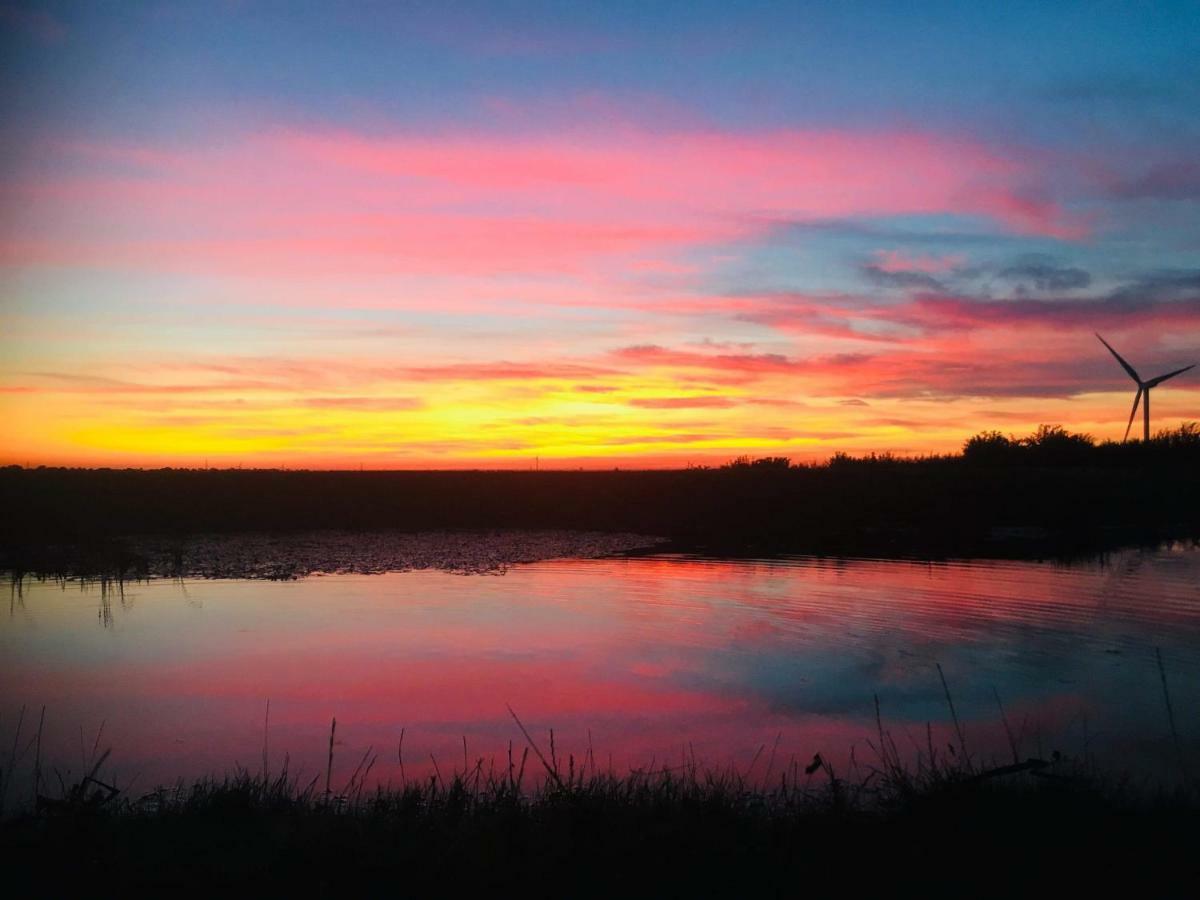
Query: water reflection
[[648, 659]]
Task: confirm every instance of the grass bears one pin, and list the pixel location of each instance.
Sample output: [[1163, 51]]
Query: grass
[[538, 824]]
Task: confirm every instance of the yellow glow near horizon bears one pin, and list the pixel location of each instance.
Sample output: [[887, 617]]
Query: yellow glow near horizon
[[509, 423]]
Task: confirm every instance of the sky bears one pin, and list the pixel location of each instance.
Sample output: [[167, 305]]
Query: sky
[[444, 235]]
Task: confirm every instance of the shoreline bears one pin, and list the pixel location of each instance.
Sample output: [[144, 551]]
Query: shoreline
[[941, 508], [287, 556]]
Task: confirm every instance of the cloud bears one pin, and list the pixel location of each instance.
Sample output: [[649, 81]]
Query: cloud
[[842, 316], [301, 379], [1041, 273], [751, 363], [706, 402], [916, 374], [1121, 308], [677, 438], [898, 278], [1163, 287], [504, 371], [946, 345], [337, 203], [68, 382], [896, 261], [1169, 298], [366, 404]]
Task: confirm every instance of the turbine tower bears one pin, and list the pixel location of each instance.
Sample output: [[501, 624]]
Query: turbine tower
[[1143, 388]]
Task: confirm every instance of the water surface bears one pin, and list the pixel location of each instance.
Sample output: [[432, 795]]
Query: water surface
[[642, 660]]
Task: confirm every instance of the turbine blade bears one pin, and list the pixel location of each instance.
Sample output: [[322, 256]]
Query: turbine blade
[[1136, 398], [1124, 365], [1161, 378]]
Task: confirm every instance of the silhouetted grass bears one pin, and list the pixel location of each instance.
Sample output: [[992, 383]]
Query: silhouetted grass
[[538, 824]]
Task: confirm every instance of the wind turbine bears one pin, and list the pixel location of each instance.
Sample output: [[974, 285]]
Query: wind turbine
[[1143, 388]]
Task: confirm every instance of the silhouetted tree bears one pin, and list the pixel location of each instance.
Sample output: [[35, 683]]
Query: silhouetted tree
[[989, 447], [1054, 445]]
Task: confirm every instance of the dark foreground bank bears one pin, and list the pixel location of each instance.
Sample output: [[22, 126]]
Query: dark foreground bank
[[1054, 494], [1032, 828]]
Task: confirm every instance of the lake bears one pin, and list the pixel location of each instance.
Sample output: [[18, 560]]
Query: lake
[[641, 661]]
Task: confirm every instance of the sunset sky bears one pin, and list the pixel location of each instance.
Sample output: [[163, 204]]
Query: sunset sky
[[646, 234]]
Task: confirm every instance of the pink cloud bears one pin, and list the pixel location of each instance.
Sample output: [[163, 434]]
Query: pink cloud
[[339, 204], [934, 313], [805, 174], [951, 370], [943, 346], [705, 402], [503, 371], [756, 363], [301, 382], [927, 314]]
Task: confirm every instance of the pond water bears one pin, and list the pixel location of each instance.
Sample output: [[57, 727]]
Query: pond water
[[644, 660]]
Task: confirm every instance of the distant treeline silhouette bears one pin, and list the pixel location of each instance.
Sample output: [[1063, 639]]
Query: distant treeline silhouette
[[1050, 445], [1054, 445], [1053, 492]]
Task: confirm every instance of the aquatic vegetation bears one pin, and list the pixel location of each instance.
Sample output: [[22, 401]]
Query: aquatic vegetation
[[282, 558]]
